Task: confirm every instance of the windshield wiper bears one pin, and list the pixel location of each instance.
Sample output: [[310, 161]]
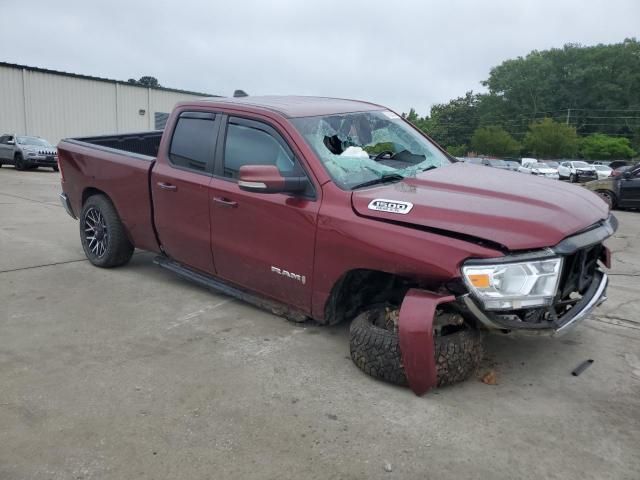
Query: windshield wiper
[[383, 179]]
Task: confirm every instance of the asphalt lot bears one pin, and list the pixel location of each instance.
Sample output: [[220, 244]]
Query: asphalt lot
[[135, 373]]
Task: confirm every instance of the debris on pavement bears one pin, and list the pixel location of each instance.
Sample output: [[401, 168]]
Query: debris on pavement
[[582, 367], [489, 378]]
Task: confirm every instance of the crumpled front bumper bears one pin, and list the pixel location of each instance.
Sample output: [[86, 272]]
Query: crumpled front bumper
[[594, 296]]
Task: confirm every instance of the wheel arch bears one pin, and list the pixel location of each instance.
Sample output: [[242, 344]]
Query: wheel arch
[[91, 191], [359, 287]]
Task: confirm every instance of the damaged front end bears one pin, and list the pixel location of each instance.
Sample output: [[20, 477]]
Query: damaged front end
[[546, 292], [551, 291]]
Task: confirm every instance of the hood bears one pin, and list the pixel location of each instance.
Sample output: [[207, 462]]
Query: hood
[[517, 211]]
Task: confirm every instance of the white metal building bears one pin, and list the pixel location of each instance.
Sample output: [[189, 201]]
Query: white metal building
[[56, 105]]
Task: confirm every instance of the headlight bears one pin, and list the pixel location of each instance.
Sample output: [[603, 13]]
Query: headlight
[[511, 286]]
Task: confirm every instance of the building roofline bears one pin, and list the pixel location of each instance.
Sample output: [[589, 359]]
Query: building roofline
[[100, 79]]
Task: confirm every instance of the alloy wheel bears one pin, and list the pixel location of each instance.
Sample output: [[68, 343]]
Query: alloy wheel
[[96, 233]]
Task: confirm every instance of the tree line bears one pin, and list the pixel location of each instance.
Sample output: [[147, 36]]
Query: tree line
[[559, 103]]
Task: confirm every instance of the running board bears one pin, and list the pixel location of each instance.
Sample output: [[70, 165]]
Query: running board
[[212, 283]]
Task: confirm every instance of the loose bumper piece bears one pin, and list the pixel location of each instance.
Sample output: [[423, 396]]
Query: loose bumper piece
[[415, 326]]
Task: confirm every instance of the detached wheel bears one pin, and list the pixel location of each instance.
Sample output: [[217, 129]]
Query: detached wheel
[[102, 234], [375, 349], [609, 197], [19, 162]]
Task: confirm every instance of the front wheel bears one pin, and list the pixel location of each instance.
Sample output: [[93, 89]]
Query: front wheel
[[573, 178], [56, 168], [375, 349], [19, 162], [609, 197], [102, 233]]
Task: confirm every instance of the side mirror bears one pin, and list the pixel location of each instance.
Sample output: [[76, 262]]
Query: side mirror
[[268, 179], [626, 174]]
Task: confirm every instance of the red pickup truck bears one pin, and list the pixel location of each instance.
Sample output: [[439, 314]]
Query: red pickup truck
[[340, 210]]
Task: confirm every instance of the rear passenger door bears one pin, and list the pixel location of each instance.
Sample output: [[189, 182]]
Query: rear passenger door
[[264, 242], [179, 184]]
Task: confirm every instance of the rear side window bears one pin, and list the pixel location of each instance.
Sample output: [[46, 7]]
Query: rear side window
[[246, 145], [193, 141]]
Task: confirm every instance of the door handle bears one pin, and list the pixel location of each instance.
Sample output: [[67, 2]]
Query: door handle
[[225, 202], [167, 186]]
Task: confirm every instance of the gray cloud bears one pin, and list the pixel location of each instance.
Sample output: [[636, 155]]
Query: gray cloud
[[400, 54]]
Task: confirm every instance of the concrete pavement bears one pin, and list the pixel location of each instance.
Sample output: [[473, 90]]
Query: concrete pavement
[[136, 373]]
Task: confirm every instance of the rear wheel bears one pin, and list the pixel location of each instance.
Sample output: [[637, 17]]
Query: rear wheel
[[102, 233], [19, 162]]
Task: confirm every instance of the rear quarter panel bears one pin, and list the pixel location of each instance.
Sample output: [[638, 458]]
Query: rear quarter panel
[[124, 178]]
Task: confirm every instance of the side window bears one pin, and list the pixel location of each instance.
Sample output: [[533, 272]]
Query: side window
[[246, 145], [193, 141]]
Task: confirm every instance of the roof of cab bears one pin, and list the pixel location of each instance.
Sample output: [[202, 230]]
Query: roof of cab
[[298, 106]]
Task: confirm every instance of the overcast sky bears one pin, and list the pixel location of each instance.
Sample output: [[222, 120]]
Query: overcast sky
[[397, 53]]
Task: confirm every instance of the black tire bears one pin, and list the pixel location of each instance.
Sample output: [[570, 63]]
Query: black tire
[[376, 351], [573, 178], [56, 168], [110, 246], [19, 163], [609, 197]]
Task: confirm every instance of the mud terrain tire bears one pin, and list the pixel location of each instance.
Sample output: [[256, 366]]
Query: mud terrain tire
[[376, 351]]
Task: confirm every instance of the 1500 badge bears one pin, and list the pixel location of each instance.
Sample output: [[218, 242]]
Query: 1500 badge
[[391, 206]]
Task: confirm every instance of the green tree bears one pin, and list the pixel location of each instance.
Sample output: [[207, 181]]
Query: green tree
[[453, 123], [604, 147], [494, 140], [146, 81], [549, 139], [457, 150]]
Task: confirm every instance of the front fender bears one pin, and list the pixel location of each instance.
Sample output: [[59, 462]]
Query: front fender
[[415, 325]]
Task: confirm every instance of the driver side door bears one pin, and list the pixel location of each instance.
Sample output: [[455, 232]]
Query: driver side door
[[263, 242]]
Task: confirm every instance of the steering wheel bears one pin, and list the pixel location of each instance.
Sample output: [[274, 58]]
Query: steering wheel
[[379, 156]]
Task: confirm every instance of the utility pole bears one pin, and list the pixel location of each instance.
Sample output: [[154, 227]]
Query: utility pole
[[568, 115]]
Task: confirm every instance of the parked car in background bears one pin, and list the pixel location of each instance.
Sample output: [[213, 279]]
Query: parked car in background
[[620, 170], [27, 152], [513, 165], [473, 160], [603, 171], [538, 168], [619, 191], [618, 163], [577, 171], [495, 163]]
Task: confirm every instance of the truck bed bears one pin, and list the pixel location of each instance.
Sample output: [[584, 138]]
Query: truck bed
[[143, 143], [119, 166]]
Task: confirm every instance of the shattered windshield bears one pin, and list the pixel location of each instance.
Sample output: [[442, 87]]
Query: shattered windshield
[[358, 149]]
